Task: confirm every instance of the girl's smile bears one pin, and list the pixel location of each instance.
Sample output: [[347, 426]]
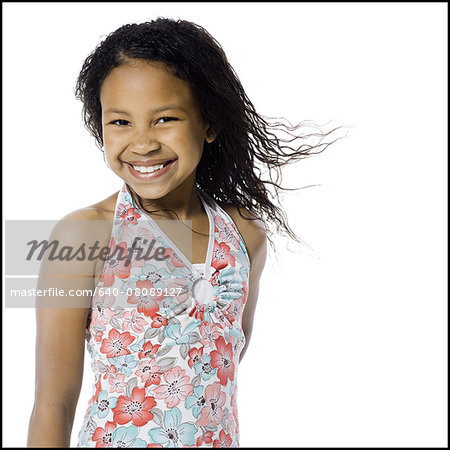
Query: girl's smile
[[148, 171]]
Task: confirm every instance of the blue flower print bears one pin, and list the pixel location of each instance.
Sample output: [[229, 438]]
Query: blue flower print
[[138, 346], [243, 272], [129, 199], [104, 404], [183, 273], [173, 331], [129, 286], [236, 332], [230, 286], [204, 367], [209, 310], [151, 273], [196, 401], [125, 437], [124, 363], [167, 305], [174, 432]]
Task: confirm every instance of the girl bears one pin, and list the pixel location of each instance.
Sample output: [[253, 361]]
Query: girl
[[165, 335]]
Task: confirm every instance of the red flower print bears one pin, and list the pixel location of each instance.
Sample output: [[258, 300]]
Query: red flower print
[[224, 317], [116, 344], [198, 311], [109, 371], [221, 256], [117, 382], [237, 344], [98, 336], [195, 355], [234, 308], [227, 232], [121, 209], [135, 408], [94, 398], [244, 289], [103, 436], [148, 371], [98, 389], [179, 288], [141, 242], [116, 263], [234, 409], [142, 297], [214, 401], [174, 258], [177, 387], [222, 360], [128, 214], [214, 280], [205, 438], [209, 332], [223, 441], [101, 311], [148, 350], [101, 314], [158, 321], [131, 319]]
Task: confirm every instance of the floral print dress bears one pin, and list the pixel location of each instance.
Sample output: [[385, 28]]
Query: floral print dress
[[164, 340]]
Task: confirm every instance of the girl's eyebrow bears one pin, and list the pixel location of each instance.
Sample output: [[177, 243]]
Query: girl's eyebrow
[[158, 110]]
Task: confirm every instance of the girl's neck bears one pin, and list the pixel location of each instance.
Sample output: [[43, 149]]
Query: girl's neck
[[184, 201]]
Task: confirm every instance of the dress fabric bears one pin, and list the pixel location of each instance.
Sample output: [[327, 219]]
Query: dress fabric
[[164, 339], [201, 268]]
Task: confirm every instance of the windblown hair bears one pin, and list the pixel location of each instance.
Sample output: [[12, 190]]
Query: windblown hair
[[230, 167]]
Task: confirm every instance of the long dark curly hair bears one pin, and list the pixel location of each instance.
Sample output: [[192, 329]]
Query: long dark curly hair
[[247, 143]]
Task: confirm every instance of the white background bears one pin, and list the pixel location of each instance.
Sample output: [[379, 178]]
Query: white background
[[349, 343]]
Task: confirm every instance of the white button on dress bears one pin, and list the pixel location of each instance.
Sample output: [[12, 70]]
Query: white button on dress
[[202, 290]]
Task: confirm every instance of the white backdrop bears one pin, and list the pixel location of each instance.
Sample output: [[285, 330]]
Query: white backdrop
[[360, 357]]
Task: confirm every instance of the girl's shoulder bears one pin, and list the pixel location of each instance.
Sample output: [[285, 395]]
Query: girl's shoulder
[[102, 210], [94, 222]]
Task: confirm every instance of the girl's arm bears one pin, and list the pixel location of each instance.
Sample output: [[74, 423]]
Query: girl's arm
[[60, 337], [59, 373], [254, 234]]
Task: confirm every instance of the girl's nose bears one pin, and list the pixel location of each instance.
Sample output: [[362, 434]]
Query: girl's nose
[[144, 141]]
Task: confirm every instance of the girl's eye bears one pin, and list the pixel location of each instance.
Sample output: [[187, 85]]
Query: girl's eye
[[166, 119], [119, 120]]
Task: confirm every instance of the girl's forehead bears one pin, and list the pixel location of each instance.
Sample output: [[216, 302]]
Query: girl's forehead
[[149, 79]]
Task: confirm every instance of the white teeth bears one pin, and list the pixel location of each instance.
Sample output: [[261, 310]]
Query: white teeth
[[149, 169]]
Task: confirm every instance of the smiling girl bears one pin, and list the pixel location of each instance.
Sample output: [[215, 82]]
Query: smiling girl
[[176, 126]]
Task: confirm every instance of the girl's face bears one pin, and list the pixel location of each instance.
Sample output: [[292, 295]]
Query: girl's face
[[150, 117]]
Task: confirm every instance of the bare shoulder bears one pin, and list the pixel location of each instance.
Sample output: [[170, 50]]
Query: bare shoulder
[[87, 225], [102, 210], [253, 231]]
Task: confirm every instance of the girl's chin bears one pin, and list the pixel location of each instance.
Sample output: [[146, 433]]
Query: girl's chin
[[149, 192]]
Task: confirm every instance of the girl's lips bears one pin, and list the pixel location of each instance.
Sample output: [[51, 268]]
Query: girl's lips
[[147, 163], [150, 176]]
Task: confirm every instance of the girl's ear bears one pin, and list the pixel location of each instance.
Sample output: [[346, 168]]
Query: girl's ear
[[210, 135]]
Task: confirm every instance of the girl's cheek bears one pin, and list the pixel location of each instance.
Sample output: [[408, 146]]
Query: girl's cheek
[[113, 144]]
